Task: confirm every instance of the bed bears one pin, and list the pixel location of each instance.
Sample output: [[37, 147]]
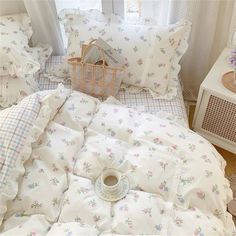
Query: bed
[[55, 144], [174, 108]]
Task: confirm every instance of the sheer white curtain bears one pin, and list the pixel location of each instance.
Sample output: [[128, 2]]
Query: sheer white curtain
[[45, 24], [210, 31], [70, 4]]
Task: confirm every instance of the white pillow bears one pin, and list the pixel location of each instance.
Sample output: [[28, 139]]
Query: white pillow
[[150, 50], [13, 89], [15, 31]]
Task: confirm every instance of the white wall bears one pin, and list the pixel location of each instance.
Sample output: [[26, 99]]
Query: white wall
[[11, 7]]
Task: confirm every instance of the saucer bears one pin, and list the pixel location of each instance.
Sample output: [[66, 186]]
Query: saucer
[[112, 197]]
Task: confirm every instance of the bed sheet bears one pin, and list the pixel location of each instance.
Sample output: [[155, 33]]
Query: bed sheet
[[142, 101]]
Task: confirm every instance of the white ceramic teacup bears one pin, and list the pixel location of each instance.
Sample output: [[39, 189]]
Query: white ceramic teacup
[[111, 181]]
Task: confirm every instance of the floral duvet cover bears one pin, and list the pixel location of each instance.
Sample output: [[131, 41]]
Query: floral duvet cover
[[47, 173]]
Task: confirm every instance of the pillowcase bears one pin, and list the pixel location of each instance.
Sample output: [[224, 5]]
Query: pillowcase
[[150, 50], [13, 88], [15, 31]]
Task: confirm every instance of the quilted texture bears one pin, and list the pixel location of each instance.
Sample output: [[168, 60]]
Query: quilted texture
[[176, 177]]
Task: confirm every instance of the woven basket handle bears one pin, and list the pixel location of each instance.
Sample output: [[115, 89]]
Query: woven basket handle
[[101, 50]]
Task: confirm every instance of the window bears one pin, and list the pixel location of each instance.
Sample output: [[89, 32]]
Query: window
[[156, 9], [132, 10], [81, 4]]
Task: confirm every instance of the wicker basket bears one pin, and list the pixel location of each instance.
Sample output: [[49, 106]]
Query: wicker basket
[[93, 79]]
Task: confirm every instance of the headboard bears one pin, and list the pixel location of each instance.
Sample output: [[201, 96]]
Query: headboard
[[8, 7]]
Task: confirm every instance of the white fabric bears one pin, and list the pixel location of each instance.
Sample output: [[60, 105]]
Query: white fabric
[[154, 54], [177, 183], [174, 107], [210, 31], [14, 88], [15, 33], [45, 24]]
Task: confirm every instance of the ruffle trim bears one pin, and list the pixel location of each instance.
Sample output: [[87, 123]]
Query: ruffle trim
[[50, 104], [171, 92]]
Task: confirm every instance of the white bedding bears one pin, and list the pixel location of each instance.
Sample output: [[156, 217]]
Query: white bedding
[[176, 177], [142, 101]]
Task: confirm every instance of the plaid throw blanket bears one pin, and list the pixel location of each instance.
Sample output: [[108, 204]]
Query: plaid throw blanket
[[15, 124]]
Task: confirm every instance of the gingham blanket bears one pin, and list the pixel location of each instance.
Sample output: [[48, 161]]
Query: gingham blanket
[[176, 178], [143, 100], [15, 124]]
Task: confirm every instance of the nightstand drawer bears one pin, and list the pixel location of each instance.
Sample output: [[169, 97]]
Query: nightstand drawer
[[220, 118], [216, 121]]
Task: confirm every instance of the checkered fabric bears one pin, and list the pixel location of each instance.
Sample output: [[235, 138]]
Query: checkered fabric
[[141, 100], [15, 124]]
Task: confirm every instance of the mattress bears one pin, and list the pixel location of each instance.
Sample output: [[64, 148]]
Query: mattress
[[142, 101]]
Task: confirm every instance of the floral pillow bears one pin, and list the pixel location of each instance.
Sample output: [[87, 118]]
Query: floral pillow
[[13, 88], [149, 50], [15, 32]]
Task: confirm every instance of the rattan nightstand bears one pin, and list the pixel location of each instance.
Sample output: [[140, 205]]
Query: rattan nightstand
[[215, 114]]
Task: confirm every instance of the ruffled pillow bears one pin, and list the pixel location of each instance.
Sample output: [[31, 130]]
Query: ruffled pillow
[[152, 52], [13, 88], [15, 32]]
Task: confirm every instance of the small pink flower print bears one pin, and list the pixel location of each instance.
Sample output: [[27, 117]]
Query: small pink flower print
[[92, 203], [163, 50], [130, 75], [192, 147], [208, 173], [130, 131], [158, 37], [82, 190], [66, 201], [218, 213], [158, 227], [36, 205], [33, 185], [206, 159], [161, 65], [180, 198], [135, 49], [54, 181], [157, 141], [133, 168], [136, 197], [178, 221], [86, 167], [143, 38], [129, 223], [163, 186], [148, 211], [124, 208], [156, 85], [149, 174], [66, 168], [96, 218], [187, 180], [55, 202], [171, 41], [215, 189], [140, 61], [32, 234], [150, 74], [198, 232], [163, 165], [201, 195]]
